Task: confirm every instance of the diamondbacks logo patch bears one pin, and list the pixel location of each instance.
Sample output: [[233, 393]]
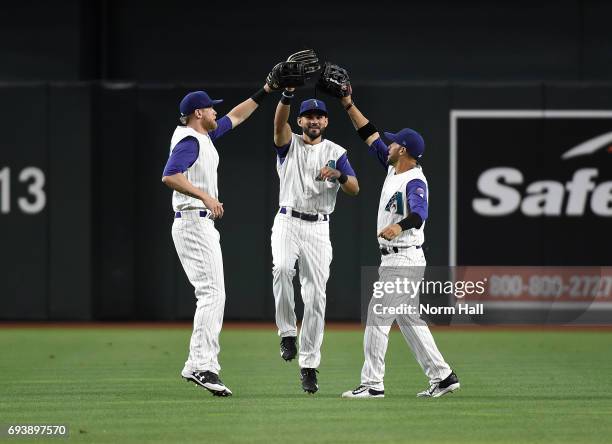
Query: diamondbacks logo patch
[[330, 164], [395, 204]]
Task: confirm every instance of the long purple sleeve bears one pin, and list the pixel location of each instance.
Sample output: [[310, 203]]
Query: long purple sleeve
[[416, 192], [224, 124], [184, 154], [380, 150]]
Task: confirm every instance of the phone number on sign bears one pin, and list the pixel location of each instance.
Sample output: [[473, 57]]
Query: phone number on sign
[[35, 429], [572, 287]]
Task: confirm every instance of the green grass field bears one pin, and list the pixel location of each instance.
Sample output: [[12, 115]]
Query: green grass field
[[123, 385]]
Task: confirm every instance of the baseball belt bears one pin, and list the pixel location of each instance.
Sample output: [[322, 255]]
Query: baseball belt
[[385, 251], [304, 216], [202, 213]]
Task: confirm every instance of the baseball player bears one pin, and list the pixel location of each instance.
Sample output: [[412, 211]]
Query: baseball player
[[402, 212], [311, 169], [191, 171]]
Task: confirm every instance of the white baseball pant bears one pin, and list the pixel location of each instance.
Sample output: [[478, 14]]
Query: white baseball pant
[[415, 330], [197, 243], [307, 243]]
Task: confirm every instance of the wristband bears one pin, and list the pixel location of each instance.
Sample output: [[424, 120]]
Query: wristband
[[366, 131], [349, 106], [286, 97], [342, 179], [259, 96], [412, 221]]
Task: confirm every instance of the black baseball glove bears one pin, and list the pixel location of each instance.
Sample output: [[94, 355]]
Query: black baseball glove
[[287, 75], [310, 60], [334, 81]]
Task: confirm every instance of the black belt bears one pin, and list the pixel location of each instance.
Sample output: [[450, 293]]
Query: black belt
[[303, 216], [391, 250], [203, 213]]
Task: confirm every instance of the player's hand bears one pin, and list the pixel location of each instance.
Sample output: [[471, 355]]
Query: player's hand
[[215, 207], [390, 232], [328, 173]]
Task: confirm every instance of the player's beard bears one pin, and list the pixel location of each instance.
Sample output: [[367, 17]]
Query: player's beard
[[210, 125], [313, 133]]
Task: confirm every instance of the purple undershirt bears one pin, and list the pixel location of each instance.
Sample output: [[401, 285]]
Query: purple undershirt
[[380, 150], [224, 124], [344, 166], [281, 152], [186, 152], [416, 192]]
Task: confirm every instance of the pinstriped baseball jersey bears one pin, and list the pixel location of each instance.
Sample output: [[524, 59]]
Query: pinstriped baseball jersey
[[393, 207], [299, 188], [202, 174]]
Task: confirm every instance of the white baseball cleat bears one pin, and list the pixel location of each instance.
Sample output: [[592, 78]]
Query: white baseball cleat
[[449, 385], [364, 392]]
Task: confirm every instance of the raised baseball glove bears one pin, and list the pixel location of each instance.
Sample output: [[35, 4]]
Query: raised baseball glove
[[310, 60], [334, 81], [287, 75]]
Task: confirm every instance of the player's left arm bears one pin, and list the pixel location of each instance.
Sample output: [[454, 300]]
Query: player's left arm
[[239, 113], [345, 175], [242, 111], [416, 196]]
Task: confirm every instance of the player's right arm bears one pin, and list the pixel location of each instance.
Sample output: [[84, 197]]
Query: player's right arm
[[184, 154], [416, 196], [367, 131], [282, 129], [180, 183]]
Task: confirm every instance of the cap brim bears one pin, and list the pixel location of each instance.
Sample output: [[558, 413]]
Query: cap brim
[[216, 102], [314, 110]]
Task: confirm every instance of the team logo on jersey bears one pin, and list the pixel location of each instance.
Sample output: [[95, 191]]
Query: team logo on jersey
[[330, 164], [395, 204]]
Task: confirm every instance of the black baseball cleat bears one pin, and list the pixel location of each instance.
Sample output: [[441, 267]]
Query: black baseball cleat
[[209, 380], [288, 349], [448, 385], [309, 379]]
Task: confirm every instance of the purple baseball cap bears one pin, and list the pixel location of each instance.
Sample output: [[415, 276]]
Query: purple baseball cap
[[196, 100], [409, 139], [313, 105]]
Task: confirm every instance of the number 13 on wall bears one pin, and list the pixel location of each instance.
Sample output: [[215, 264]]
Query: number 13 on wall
[[36, 198]]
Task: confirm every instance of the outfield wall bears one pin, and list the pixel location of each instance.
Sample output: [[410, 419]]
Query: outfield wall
[[166, 42], [85, 220]]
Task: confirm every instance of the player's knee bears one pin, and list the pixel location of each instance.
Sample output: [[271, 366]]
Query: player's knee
[[283, 271], [210, 294], [316, 304]]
